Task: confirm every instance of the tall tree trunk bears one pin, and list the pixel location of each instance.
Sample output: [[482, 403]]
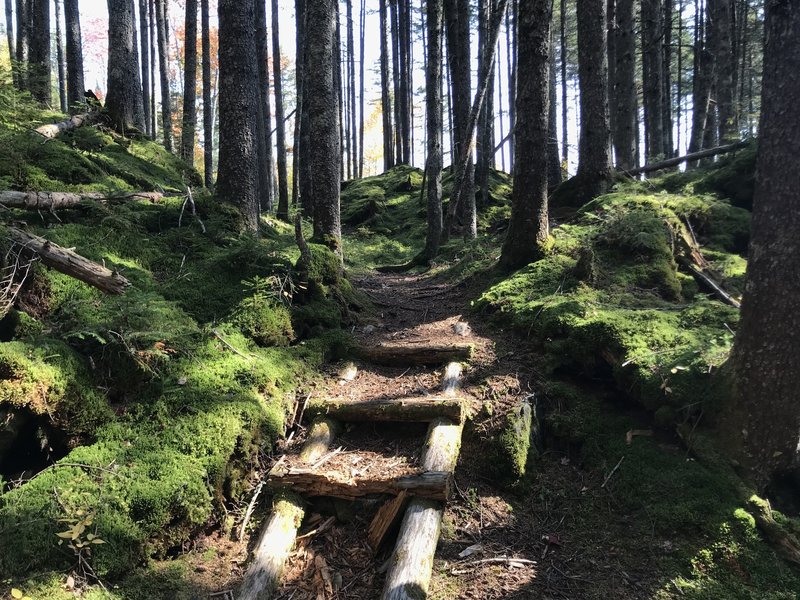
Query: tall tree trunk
[[124, 98], [501, 113], [238, 176], [666, 80], [151, 6], [306, 191], [189, 128], [611, 25], [62, 65], [528, 227], [325, 155], [594, 165], [144, 50], [482, 152], [433, 103], [553, 162], [511, 25], [764, 420], [344, 138], [208, 113], [163, 67], [625, 108], [351, 89], [702, 82], [263, 119], [404, 43], [299, 11], [399, 134], [75, 87], [280, 126], [23, 43], [564, 95], [652, 79], [12, 55], [39, 63], [720, 43], [361, 44], [386, 102]]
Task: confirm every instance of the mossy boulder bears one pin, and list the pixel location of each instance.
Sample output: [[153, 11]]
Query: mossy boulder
[[513, 444], [267, 322]]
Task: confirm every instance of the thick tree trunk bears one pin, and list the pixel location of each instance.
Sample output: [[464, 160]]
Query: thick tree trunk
[[433, 104], [386, 102], [208, 113], [299, 10], [529, 226], [404, 47], [553, 162], [163, 68], [151, 6], [238, 179], [396, 68], [144, 50], [652, 79], [39, 60], [305, 190], [764, 419], [189, 127], [626, 119], [124, 99], [264, 116], [720, 32], [280, 125], [666, 79], [62, 65], [594, 166], [701, 82], [325, 153], [23, 42]]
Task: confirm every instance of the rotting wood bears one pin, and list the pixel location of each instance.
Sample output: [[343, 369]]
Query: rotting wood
[[413, 409], [51, 201], [674, 162], [53, 130], [312, 482], [319, 439], [408, 355], [387, 517], [70, 263]]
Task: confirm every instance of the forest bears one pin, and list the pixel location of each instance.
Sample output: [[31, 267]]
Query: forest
[[341, 299]]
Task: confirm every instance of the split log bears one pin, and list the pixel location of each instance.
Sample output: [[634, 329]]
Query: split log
[[387, 516], [429, 484], [419, 409], [674, 162], [53, 130], [51, 201], [68, 262], [396, 355]]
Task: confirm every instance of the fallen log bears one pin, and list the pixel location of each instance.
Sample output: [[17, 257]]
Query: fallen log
[[70, 263], [396, 355], [53, 130], [429, 484], [674, 162], [418, 409], [51, 201]]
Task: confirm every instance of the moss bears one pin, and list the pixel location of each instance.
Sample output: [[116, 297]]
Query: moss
[[266, 322], [513, 444]]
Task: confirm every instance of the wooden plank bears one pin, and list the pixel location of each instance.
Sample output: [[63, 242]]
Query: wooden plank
[[403, 355], [412, 409], [386, 517]]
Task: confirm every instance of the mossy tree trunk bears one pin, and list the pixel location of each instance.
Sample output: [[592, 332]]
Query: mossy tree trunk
[[124, 100], [764, 419], [238, 176], [189, 83], [529, 224]]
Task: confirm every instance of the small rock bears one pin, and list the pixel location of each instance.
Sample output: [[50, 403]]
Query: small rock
[[463, 329], [347, 373], [369, 329]]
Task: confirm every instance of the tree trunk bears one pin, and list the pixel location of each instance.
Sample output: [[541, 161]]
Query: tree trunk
[[764, 419], [396, 67], [404, 46], [208, 113], [151, 4], [626, 119], [409, 354], [299, 8], [720, 32], [422, 409], [594, 167], [433, 104], [564, 96], [263, 116], [553, 162], [39, 61], [529, 225], [325, 153], [362, 31], [280, 125], [62, 65], [163, 67], [351, 89], [51, 130], [23, 43], [124, 99], [666, 79], [652, 79], [306, 191], [189, 83], [344, 138], [511, 44], [237, 180], [12, 56], [386, 102], [144, 50], [701, 83]]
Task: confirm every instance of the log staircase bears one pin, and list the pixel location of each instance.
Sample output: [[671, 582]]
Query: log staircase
[[418, 499]]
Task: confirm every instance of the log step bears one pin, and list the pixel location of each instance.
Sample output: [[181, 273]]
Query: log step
[[405, 355], [434, 485], [411, 409]]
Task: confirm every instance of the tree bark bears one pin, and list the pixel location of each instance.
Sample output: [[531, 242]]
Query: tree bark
[[407, 355], [652, 78], [351, 88], [264, 116], [280, 125], [52, 130], [764, 420], [163, 68], [626, 119], [386, 102], [124, 99], [553, 161], [52, 201], [39, 60], [325, 153], [237, 180], [666, 79], [694, 156], [720, 31], [529, 225], [12, 56], [409, 410], [701, 82], [62, 66], [564, 95], [362, 30], [189, 127], [433, 107], [144, 51], [152, 35], [208, 113], [23, 42], [396, 68]]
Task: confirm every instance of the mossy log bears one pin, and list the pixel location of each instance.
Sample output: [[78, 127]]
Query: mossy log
[[429, 484], [417, 409], [70, 263], [397, 355], [53, 130], [51, 201]]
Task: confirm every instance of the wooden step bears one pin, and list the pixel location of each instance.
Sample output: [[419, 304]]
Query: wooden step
[[411, 409], [434, 485], [404, 355]]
